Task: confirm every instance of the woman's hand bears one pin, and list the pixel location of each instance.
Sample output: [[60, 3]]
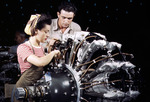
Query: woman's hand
[[50, 44], [57, 53]]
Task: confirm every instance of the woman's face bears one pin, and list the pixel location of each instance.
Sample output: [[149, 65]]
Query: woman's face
[[43, 34]]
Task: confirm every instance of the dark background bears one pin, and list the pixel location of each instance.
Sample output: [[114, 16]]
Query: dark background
[[122, 21]]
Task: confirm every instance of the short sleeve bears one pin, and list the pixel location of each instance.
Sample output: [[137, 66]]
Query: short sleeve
[[24, 51], [78, 28]]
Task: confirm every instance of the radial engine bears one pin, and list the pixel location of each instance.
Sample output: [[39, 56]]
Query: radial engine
[[90, 69]]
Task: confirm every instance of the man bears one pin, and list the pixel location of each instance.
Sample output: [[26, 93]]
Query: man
[[63, 26], [20, 37]]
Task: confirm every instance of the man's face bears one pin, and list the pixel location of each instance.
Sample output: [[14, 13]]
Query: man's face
[[18, 38], [64, 18]]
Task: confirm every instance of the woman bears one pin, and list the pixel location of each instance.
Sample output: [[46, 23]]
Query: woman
[[30, 54]]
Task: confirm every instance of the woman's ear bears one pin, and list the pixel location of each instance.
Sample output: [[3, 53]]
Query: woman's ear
[[36, 31]]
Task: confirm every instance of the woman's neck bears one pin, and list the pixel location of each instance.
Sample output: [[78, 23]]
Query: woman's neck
[[34, 41]]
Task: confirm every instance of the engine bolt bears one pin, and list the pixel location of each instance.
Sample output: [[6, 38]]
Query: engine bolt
[[65, 93], [72, 95]]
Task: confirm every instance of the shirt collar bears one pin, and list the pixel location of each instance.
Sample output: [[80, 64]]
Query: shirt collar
[[55, 26]]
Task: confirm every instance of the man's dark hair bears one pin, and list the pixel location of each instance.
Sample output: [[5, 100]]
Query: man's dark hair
[[21, 33], [67, 6]]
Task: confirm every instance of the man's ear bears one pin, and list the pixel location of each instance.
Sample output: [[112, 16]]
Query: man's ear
[[58, 14]]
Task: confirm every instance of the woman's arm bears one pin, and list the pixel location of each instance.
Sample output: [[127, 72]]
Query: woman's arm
[[42, 61]]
